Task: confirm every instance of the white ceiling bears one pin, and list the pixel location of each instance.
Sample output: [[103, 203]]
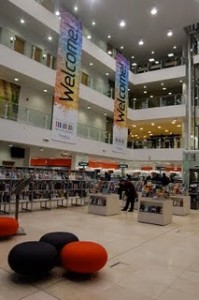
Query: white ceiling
[[172, 14]]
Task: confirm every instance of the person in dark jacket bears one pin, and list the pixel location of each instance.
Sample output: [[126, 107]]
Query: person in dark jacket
[[131, 194]]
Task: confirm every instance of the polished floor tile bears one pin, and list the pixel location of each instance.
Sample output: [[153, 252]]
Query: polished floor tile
[[145, 262]]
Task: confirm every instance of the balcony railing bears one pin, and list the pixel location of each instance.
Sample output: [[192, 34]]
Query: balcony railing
[[22, 114], [158, 142], [18, 44], [161, 101]]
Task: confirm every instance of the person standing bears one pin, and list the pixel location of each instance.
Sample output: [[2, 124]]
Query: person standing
[[131, 194]]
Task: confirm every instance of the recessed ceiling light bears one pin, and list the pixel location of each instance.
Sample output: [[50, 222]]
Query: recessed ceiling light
[[156, 62], [50, 38], [107, 74], [169, 33], [170, 93], [109, 52], [134, 64], [145, 92], [91, 64], [22, 21], [105, 114], [75, 8], [109, 36], [178, 125], [41, 149], [134, 125], [89, 37], [122, 47], [57, 13], [88, 107], [134, 99], [122, 23], [128, 89], [45, 91], [144, 86], [152, 124], [174, 47], [132, 57], [149, 131], [154, 11], [166, 130], [151, 96], [16, 79], [141, 42], [173, 122], [164, 88], [181, 81], [152, 52], [162, 83], [151, 59], [170, 55], [159, 127], [10, 145], [93, 23]]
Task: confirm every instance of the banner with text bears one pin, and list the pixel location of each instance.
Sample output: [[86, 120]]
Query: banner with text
[[65, 109], [120, 104]]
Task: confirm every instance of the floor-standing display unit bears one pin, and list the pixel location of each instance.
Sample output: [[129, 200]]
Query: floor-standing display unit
[[155, 211], [104, 204], [181, 205]]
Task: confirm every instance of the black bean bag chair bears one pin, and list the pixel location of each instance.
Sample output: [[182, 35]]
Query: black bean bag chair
[[59, 239], [32, 258]]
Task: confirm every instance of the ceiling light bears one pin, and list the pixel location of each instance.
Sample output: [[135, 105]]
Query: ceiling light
[[107, 74], [45, 91], [170, 55], [152, 52], [16, 79], [109, 36], [170, 93], [166, 130], [134, 64], [162, 83], [152, 124], [144, 86], [10, 145], [178, 125], [174, 47], [154, 11], [173, 122], [157, 62], [88, 107], [170, 33], [50, 38], [134, 125], [105, 114], [149, 131], [159, 127], [109, 52], [89, 37], [141, 128], [181, 81], [122, 47], [122, 24], [93, 23], [132, 57], [141, 42], [12, 38], [75, 8], [151, 134], [41, 149], [134, 99], [151, 59], [91, 64], [128, 89], [151, 96], [164, 88], [22, 21], [145, 92], [57, 13]]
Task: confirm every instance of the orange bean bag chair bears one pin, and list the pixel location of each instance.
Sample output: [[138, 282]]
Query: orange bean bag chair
[[8, 226], [83, 257]]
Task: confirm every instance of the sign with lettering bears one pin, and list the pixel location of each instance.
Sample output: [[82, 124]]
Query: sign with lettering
[[120, 131], [123, 166], [66, 97], [83, 164]]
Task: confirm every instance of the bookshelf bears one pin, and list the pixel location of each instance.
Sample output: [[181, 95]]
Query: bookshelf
[[181, 205], [104, 205], [155, 211]]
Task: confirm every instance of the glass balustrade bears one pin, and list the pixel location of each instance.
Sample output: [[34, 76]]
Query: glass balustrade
[[16, 43]]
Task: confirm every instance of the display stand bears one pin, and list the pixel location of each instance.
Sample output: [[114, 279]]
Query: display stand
[[155, 211], [181, 205], [104, 205]]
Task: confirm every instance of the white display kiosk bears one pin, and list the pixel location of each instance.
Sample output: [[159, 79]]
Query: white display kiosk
[[181, 205], [104, 204]]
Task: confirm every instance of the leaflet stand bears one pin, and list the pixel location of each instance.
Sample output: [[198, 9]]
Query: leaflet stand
[[16, 190]]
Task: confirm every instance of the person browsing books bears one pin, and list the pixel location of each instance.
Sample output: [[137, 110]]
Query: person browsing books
[[131, 194]]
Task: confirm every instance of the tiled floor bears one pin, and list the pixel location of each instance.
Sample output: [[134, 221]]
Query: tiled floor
[[145, 261]]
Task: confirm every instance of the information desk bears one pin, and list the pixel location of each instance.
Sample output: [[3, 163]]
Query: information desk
[[154, 211], [181, 205], [104, 205]]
